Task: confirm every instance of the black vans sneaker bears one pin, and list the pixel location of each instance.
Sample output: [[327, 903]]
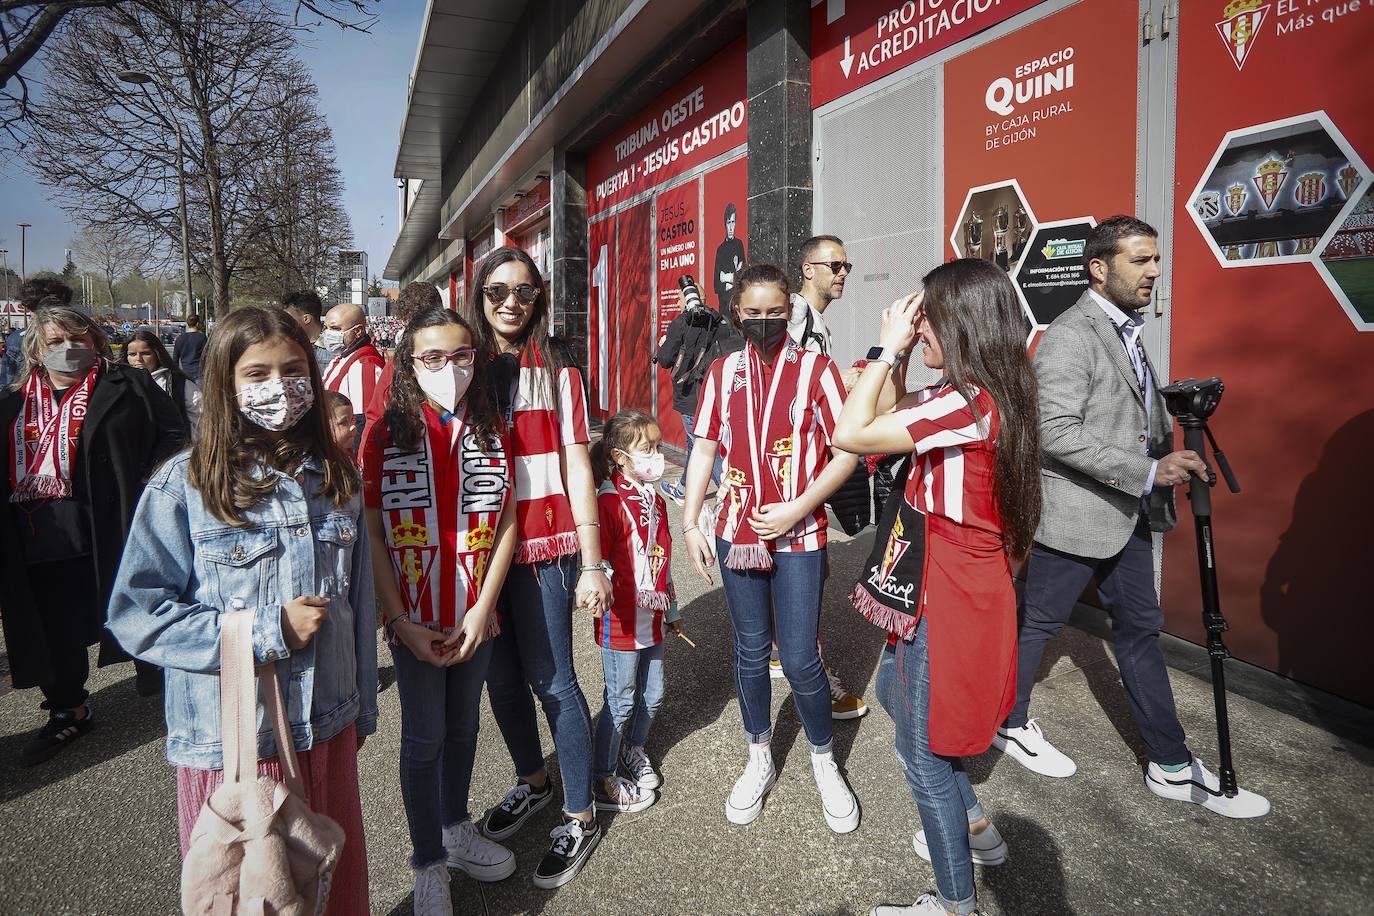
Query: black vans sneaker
[[573, 843], [519, 803], [62, 730]]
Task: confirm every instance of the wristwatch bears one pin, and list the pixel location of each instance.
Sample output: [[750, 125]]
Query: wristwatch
[[604, 566], [882, 354]]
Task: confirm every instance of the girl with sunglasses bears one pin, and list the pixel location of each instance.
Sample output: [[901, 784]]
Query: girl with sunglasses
[[557, 519], [437, 490]]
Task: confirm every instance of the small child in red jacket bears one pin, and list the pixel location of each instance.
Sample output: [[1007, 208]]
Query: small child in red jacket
[[636, 542]]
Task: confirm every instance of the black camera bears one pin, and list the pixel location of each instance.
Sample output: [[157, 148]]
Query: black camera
[[1193, 398]]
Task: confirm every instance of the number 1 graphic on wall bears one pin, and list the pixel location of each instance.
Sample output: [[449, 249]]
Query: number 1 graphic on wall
[[603, 318]]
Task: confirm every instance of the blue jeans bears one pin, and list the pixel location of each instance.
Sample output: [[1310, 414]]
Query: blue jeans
[[688, 421], [1126, 584], [440, 712], [789, 595], [939, 784], [634, 692], [534, 652]]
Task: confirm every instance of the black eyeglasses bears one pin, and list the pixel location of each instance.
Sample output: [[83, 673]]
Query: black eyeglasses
[[463, 356], [498, 293], [835, 265]]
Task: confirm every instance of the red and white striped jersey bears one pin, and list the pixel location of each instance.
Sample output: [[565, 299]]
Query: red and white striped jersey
[[813, 407], [355, 375], [952, 465], [543, 513]]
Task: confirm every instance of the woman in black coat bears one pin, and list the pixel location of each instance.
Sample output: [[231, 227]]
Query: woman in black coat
[[81, 436]]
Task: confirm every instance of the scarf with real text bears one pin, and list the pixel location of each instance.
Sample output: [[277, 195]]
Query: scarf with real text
[[43, 438]]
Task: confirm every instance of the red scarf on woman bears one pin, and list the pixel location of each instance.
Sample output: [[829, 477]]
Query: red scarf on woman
[[440, 508], [764, 470], [545, 521], [43, 438]]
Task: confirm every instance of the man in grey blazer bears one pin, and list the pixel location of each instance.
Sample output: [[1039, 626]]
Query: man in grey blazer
[[1107, 475]]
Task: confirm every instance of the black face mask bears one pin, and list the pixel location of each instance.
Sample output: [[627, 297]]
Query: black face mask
[[764, 333]]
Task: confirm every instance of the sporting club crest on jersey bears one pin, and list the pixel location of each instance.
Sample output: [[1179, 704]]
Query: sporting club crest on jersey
[[1269, 179], [1236, 196], [1209, 204], [410, 544], [1239, 27], [1311, 189]]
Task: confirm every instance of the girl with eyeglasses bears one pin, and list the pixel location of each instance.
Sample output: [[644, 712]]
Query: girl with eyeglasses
[[436, 484], [558, 557]]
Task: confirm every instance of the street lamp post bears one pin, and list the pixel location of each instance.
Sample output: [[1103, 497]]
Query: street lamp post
[[23, 239], [5, 272], [141, 79]]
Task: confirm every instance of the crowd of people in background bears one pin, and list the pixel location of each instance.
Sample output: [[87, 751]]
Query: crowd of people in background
[[286, 470]]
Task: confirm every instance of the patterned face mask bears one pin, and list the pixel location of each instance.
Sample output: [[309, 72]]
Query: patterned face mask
[[278, 403]]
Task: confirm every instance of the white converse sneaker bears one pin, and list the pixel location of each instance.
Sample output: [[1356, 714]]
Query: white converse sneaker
[[1200, 786], [622, 795], [925, 905], [473, 853], [746, 798], [431, 891], [837, 801], [986, 848], [1029, 747], [637, 766]]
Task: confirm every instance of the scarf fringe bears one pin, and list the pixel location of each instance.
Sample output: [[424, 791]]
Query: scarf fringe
[[652, 601], [547, 548], [749, 556], [34, 487], [892, 621]]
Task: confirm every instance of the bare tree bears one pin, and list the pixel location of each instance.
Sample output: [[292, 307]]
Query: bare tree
[[112, 254]]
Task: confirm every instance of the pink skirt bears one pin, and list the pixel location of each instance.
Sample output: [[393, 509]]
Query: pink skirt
[[329, 772]]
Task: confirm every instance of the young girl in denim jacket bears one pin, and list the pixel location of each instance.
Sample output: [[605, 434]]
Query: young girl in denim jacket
[[634, 528], [263, 515]]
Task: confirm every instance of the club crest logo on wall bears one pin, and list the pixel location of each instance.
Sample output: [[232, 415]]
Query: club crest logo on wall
[[1306, 246], [1311, 189], [1209, 204], [1236, 196], [1239, 27], [1269, 179], [1348, 179], [1267, 250], [1233, 253]]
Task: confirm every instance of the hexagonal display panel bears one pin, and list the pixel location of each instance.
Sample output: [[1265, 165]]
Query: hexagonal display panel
[[1051, 275], [995, 223], [1347, 262]]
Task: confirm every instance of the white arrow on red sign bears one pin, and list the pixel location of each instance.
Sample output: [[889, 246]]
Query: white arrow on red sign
[[848, 60]]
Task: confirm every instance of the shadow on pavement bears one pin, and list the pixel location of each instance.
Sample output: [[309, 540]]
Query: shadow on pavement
[[1032, 881], [124, 721]]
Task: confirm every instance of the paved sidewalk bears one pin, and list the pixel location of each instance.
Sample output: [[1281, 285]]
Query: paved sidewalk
[[93, 832]]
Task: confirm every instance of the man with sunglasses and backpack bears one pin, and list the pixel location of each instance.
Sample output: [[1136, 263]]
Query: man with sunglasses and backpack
[[824, 269]]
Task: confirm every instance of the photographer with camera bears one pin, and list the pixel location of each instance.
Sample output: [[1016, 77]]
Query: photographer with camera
[[695, 339], [1107, 473]]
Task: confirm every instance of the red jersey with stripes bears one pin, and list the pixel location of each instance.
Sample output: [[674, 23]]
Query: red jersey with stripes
[[642, 584], [811, 404], [543, 513], [355, 374], [953, 462]]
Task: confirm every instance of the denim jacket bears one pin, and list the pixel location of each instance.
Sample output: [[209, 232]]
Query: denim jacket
[[182, 568]]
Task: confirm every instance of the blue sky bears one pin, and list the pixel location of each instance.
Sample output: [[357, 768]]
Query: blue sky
[[362, 80]]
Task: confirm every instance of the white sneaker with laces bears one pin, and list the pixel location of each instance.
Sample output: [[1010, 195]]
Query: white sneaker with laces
[[1029, 747], [479, 857], [620, 794], [837, 800], [925, 905], [431, 891], [746, 798], [986, 848], [640, 770], [1201, 786]]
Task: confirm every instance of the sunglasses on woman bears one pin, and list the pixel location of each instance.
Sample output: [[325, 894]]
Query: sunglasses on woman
[[463, 356], [497, 293]]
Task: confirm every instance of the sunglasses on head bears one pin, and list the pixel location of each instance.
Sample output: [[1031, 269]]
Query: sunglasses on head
[[463, 356], [834, 265], [498, 293]]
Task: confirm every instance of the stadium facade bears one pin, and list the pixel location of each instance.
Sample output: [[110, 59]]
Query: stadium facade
[[625, 143]]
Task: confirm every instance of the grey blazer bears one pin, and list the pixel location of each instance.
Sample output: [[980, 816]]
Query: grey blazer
[[1095, 457]]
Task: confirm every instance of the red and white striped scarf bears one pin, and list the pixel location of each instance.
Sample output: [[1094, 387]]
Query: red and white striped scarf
[[651, 544], [43, 438], [543, 514], [764, 470], [441, 506]]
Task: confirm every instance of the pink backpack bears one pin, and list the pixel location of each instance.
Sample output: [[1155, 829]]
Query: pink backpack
[[256, 848]]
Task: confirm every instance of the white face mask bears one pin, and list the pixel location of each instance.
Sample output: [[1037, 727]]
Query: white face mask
[[278, 403], [445, 385], [70, 358], [646, 466], [333, 339]]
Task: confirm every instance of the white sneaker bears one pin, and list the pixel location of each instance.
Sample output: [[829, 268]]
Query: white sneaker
[[746, 798], [1029, 747], [986, 848], [638, 767], [473, 853], [925, 905], [431, 891], [622, 795], [1200, 786], [837, 801], [775, 670]]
